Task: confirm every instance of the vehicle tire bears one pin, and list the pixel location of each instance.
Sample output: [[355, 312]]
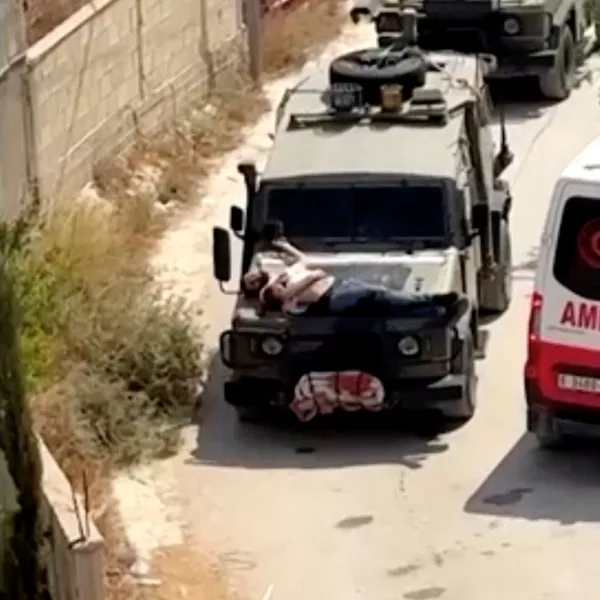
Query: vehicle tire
[[546, 435], [499, 299], [249, 414], [465, 411], [372, 68], [557, 83]]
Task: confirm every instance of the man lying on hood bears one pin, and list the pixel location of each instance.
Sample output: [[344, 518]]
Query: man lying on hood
[[301, 289]]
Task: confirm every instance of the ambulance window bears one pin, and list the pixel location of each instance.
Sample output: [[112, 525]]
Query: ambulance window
[[577, 258]]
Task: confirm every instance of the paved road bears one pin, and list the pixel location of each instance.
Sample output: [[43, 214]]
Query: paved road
[[478, 514]]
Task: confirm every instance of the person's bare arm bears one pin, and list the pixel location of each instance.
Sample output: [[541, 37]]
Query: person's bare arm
[[286, 247], [301, 286]]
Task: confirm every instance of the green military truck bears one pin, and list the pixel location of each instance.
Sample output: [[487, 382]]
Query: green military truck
[[383, 169], [546, 39]]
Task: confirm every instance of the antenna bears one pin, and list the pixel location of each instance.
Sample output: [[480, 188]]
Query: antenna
[[504, 157]]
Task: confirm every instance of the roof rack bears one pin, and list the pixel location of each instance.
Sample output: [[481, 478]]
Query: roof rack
[[426, 106]]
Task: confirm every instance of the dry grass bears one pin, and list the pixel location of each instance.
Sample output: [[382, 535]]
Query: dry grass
[[184, 574], [181, 155], [42, 16], [294, 33]]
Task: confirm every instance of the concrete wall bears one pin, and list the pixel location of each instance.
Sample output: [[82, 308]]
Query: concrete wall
[[121, 64], [75, 555], [14, 126], [8, 506]]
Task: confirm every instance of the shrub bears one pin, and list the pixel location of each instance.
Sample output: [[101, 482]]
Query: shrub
[[113, 359], [23, 575]]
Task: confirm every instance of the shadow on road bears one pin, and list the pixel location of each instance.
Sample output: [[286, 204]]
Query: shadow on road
[[525, 270], [530, 483], [520, 100], [345, 441]]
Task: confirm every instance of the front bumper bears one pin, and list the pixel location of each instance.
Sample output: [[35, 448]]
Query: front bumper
[[414, 396], [471, 28], [523, 65], [565, 419]]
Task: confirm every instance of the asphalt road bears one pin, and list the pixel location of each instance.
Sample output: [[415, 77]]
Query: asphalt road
[[478, 514]]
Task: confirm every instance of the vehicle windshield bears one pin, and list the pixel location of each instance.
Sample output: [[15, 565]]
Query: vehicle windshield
[[360, 212]]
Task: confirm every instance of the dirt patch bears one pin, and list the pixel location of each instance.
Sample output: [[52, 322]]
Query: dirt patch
[[183, 574]]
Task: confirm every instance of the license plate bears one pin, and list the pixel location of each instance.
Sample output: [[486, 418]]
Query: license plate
[[579, 383]]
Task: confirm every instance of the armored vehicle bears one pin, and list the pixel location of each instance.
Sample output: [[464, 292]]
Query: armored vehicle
[[540, 38], [391, 177]]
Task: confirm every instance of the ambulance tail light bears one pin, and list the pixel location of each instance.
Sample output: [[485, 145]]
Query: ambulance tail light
[[533, 339]]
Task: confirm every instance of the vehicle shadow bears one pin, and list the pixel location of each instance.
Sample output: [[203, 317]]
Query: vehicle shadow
[[519, 100], [525, 270], [348, 440], [533, 484]]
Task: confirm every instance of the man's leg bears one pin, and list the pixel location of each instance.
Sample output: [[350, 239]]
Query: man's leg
[[350, 297], [450, 306]]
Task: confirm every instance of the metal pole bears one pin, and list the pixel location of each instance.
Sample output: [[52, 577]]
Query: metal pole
[[253, 17]]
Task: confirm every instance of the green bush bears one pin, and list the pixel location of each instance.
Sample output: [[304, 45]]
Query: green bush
[[109, 360], [23, 576]]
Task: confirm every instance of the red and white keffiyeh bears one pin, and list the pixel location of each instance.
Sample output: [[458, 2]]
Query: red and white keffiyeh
[[321, 392]]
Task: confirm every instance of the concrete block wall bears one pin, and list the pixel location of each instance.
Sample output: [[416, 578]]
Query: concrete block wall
[[116, 64], [75, 551]]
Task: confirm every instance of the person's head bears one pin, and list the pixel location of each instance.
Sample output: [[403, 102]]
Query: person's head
[[253, 282], [271, 296]]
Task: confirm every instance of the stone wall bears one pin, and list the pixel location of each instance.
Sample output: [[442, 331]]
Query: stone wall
[[75, 549], [119, 65]]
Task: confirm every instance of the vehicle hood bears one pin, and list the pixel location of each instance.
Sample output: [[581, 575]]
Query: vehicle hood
[[425, 272], [422, 272]]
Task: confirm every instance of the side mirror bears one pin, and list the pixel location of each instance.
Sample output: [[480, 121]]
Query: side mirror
[[236, 219], [221, 255]]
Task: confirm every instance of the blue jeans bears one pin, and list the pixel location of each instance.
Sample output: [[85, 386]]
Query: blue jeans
[[355, 297]]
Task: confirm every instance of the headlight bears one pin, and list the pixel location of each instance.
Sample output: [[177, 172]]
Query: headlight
[[271, 346], [511, 26], [409, 346]]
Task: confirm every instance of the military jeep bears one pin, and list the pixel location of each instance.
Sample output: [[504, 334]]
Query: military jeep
[[389, 176], [545, 39]]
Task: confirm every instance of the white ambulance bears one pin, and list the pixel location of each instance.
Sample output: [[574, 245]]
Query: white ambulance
[[562, 371]]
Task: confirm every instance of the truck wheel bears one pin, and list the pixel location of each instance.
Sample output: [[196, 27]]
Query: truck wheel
[[546, 435], [499, 290], [251, 415], [373, 68], [468, 403], [557, 83]]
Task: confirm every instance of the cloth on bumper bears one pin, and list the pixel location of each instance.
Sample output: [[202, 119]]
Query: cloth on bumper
[[321, 392]]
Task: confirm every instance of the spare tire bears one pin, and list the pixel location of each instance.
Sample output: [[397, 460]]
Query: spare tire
[[372, 68]]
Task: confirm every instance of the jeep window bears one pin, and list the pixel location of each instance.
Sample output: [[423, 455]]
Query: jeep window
[[360, 213], [577, 257]]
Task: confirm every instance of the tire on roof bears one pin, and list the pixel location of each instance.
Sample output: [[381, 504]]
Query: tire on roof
[[372, 68]]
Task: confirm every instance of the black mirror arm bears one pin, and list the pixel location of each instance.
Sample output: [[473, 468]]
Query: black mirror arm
[[227, 292]]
